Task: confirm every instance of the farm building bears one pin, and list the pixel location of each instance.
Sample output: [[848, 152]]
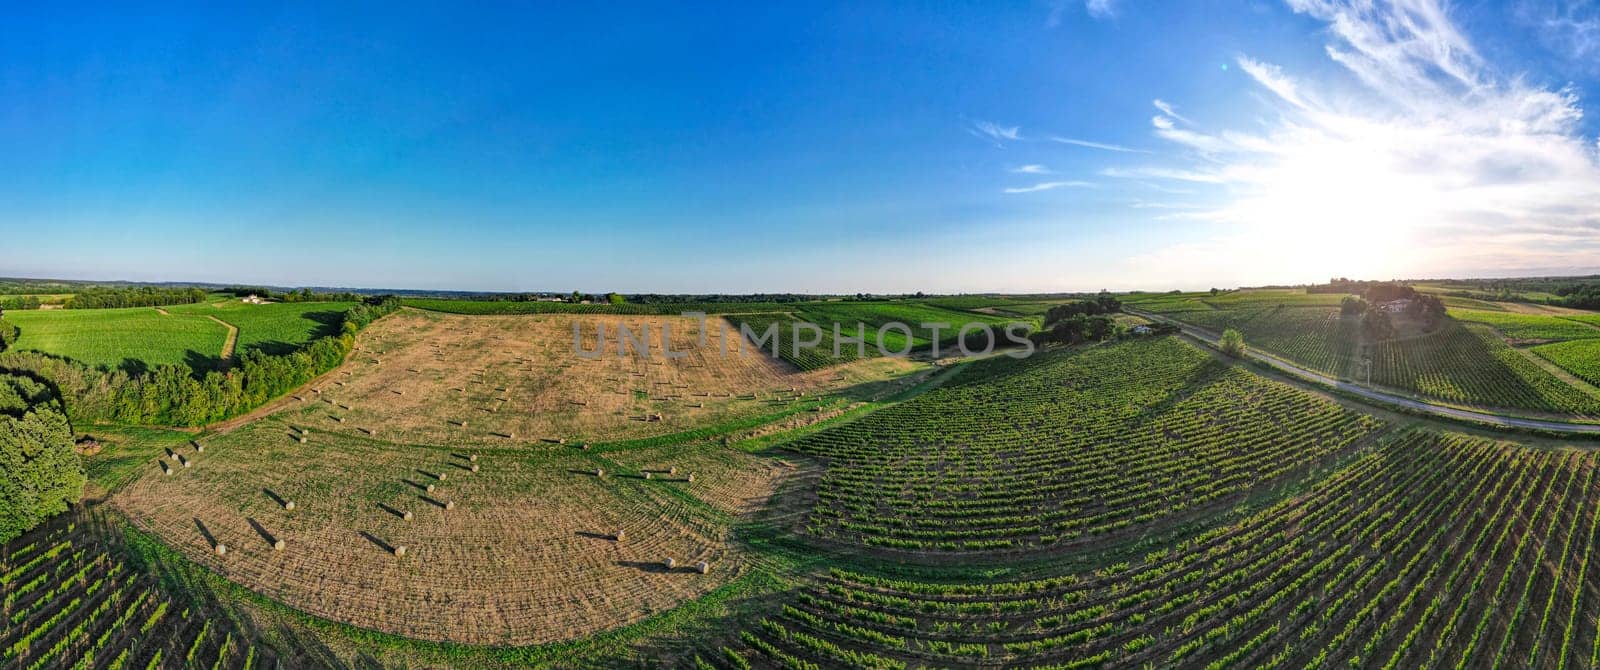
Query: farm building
[[1396, 306]]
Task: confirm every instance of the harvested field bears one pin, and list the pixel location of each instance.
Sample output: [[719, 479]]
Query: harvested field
[[523, 556], [498, 381]]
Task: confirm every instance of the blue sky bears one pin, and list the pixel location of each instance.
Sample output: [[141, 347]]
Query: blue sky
[[858, 147]]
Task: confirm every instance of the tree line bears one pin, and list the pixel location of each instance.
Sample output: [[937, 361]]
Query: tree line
[[1088, 320], [20, 302], [40, 471], [1376, 322], [141, 296], [294, 295], [172, 395]]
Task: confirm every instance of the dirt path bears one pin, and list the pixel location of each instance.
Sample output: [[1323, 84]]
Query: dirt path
[[1385, 398], [162, 312], [233, 337]]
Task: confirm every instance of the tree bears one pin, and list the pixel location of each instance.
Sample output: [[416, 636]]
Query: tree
[[1376, 325], [1352, 305], [575, 298], [1428, 309], [1232, 343], [615, 298], [40, 472]]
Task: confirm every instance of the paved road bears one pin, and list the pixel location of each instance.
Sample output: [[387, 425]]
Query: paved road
[[1382, 396]]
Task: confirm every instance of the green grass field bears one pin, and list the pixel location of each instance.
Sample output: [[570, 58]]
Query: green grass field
[[275, 328], [135, 336], [143, 336]]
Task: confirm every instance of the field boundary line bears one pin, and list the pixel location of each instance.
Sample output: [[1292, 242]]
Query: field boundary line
[[233, 336]]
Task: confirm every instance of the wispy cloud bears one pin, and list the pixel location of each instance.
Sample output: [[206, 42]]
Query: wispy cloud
[[1434, 165], [1164, 173], [1096, 145], [995, 132], [1169, 110], [1101, 9], [1050, 185], [1032, 168], [1569, 27]]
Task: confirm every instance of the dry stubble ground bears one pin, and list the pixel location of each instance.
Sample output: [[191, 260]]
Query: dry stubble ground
[[524, 556]]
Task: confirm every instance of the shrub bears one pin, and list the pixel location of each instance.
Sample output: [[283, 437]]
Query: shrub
[[1232, 343]]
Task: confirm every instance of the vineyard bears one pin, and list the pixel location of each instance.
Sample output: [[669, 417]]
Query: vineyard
[[1580, 357], [1427, 551], [1530, 327], [73, 600], [1464, 361], [1469, 364], [1066, 448]]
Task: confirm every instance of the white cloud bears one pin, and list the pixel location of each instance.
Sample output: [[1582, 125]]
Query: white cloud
[[1096, 145], [1032, 168], [1169, 110], [995, 132], [1434, 165], [1050, 185], [1101, 9], [1164, 173]]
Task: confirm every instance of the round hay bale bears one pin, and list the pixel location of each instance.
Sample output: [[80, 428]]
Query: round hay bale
[[184, 461], [222, 549], [702, 567], [672, 470], [647, 475], [431, 488], [443, 476], [620, 535], [302, 439], [473, 458], [289, 505], [474, 467], [400, 550], [690, 478], [166, 469], [449, 504], [408, 515], [670, 563], [199, 447], [599, 472], [277, 545]]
